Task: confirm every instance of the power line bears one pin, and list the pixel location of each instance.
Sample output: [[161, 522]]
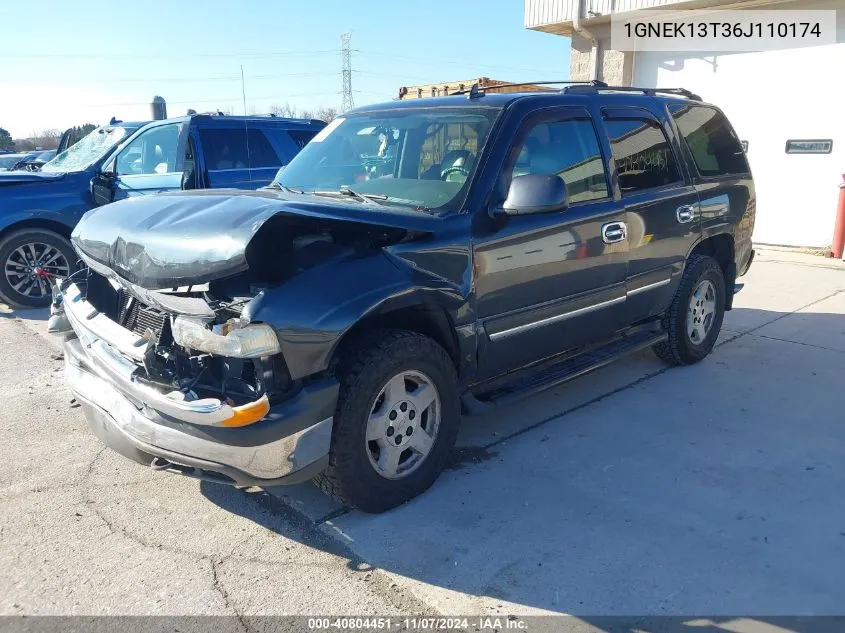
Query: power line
[[326, 73], [346, 59], [218, 100], [332, 51], [468, 63]]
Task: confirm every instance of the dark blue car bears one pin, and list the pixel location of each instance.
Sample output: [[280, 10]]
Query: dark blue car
[[38, 210]]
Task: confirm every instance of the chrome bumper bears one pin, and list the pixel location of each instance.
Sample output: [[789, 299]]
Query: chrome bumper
[[290, 444], [118, 353]]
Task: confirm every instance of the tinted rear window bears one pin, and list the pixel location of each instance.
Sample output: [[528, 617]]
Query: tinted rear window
[[237, 149], [224, 148], [301, 137], [715, 147], [644, 159]]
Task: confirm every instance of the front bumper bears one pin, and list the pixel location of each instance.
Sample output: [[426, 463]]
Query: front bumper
[[289, 445]]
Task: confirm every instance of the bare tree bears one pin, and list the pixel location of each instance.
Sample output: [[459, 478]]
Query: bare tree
[[285, 110], [326, 114], [48, 139], [289, 111]]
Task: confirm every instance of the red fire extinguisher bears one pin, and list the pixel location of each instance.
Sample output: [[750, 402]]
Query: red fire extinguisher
[[839, 229]]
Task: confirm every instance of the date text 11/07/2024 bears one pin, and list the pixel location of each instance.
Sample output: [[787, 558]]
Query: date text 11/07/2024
[[418, 623]]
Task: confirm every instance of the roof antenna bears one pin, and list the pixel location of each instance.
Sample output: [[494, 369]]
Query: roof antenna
[[473, 92]]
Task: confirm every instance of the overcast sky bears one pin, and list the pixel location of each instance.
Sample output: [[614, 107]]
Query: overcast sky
[[68, 63]]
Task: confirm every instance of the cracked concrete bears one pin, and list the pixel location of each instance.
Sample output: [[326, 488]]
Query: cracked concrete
[[635, 490]]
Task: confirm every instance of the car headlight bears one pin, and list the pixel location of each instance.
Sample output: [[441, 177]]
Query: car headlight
[[230, 339]]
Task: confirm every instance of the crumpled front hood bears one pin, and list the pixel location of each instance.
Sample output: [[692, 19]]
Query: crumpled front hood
[[186, 238], [23, 177]]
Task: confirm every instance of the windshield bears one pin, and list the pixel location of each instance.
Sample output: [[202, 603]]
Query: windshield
[[87, 151], [421, 157], [9, 160]]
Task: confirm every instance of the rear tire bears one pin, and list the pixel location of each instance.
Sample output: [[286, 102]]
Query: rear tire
[[372, 420], [30, 260], [694, 318]]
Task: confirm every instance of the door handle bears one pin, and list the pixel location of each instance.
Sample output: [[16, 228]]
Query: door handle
[[614, 232], [685, 213]]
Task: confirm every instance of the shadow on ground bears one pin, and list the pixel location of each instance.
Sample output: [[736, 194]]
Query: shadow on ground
[[27, 314], [703, 489]]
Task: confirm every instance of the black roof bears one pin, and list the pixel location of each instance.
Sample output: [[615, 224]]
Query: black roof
[[502, 99]]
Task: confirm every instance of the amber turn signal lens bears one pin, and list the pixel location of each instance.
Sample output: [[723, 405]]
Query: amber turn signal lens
[[248, 413]]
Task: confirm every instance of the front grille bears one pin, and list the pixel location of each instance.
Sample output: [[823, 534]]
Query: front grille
[[139, 318]]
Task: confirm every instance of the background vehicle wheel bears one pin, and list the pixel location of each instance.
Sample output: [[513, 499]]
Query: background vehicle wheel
[[396, 421], [31, 259], [694, 319]]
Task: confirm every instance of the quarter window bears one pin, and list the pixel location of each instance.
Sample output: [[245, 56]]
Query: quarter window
[[715, 147], [644, 159], [569, 149]]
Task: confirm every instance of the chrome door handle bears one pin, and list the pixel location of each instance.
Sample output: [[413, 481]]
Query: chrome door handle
[[613, 232], [685, 213]]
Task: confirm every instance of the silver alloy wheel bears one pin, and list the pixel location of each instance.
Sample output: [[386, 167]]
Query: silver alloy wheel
[[701, 312], [403, 424], [30, 268]]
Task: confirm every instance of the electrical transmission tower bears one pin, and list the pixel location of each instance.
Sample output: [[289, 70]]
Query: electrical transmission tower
[[346, 56]]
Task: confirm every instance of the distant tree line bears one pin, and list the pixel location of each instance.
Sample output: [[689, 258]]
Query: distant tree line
[[289, 111], [46, 139]]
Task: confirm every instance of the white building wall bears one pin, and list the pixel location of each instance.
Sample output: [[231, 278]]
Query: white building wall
[[771, 97]]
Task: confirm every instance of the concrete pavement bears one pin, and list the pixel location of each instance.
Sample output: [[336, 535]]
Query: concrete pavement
[[635, 490]]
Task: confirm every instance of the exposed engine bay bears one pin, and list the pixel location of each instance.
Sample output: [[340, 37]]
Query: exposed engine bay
[[190, 328]]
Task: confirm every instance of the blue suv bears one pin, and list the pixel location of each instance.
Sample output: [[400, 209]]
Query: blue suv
[[38, 210]]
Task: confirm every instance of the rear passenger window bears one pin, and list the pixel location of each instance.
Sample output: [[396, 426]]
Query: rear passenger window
[[224, 148], [569, 149], [644, 159], [715, 147], [301, 137], [261, 152]]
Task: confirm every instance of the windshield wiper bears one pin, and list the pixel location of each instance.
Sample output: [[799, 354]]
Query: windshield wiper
[[281, 187], [366, 198]]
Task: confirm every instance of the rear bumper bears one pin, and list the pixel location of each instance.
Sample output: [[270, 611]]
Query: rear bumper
[[287, 447], [741, 270]]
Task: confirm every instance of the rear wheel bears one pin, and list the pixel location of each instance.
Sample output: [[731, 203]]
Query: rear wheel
[[694, 319], [31, 260], [396, 420]]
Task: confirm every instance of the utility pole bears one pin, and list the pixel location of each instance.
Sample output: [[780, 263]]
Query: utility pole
[[346, 57], [243, 88]]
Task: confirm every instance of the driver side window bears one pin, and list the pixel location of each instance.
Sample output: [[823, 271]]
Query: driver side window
[[448, 152], [569, 149], [152, 152]]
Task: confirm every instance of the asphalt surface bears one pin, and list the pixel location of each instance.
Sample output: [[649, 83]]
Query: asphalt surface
[[635, 490]]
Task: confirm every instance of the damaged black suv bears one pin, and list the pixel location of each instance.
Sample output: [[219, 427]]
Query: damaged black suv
[[417, 260]]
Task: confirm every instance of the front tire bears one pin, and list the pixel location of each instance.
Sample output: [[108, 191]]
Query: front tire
[[31, 260], [396, 420], [694, 318]]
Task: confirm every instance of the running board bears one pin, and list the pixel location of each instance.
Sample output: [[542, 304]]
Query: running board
[[564, 371]]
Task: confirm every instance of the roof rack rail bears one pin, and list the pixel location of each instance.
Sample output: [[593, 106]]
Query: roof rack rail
[[476, 89], [651, 92]]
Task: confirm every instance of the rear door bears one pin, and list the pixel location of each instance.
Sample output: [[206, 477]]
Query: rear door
[[151, 163], [225, 156], [546, 283], [661, 207]]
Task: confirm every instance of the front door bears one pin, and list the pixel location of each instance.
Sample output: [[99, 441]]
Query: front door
[[550, 282], [662, 210], [151, 163]]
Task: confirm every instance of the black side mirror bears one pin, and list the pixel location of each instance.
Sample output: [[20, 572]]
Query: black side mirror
[[536, 193], [102, 187]]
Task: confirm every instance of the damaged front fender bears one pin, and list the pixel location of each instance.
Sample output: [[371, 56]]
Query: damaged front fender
[[313, 311]]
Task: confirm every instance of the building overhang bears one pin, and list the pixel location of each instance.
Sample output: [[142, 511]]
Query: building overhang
[[556, 16]]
